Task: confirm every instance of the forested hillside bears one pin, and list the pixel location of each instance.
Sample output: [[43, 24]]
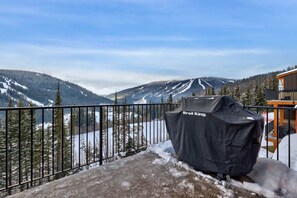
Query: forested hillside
[[251, 91], [40, 89]]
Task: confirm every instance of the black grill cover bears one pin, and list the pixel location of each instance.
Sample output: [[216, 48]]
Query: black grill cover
[[215, 134]]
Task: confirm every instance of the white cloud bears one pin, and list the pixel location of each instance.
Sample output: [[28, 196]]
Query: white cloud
[[104, 70], [137, 52]]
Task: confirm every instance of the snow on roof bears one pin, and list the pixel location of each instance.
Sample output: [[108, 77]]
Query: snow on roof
[[287, 73]]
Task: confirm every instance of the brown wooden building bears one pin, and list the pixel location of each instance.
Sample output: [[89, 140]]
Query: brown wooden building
[[287, 97]]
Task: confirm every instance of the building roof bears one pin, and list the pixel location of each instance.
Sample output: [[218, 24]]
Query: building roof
[[287, 73]]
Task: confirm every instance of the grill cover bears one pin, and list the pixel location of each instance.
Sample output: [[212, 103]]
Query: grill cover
[[215, 134]]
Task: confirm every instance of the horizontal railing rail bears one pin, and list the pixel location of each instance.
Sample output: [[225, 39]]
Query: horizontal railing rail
[[41, 144], [287, 95]]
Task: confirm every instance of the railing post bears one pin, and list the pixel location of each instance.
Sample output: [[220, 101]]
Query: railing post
[[289, 139], [32, 148], [6, 147], [20, 150], [101, 134]]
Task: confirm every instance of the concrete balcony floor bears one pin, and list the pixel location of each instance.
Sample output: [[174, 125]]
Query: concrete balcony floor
[[137, 176]]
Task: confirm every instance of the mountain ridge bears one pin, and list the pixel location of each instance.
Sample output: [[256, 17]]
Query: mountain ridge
[[161, 90], [40, 89]]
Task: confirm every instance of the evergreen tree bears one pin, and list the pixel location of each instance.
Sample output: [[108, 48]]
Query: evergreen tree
[[224, 91], [58, 125], [13, 145], [246, 97], [25, 134], [116, 98], [115, 128], [260, 99], [2, 155], [61, 137], [237, 93], [211, 91], [170, 99]]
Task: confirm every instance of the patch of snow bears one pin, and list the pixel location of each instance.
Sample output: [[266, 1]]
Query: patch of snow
[[5, 85], [2, 91], [186, 185], [51, 101], [164, 150], [270, 116], [176, 173], [188, 86], [19, 85], [283, 148], [232, 81], [142, 100], [33, 101], [140, 88], [254, 187], [199, 81], [83, 93], [176, 85], [125, 185], [272, 177], [275, 176], [223, 81], [263, 153], [207, 83], [222, 186], [160, 161]]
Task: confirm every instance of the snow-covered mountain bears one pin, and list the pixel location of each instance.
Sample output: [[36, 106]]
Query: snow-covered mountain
[[40, 89], [153, 92]]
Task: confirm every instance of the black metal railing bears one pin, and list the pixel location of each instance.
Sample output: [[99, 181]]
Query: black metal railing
[[40, 144], [281, 95], [280, 124], [287, 95]]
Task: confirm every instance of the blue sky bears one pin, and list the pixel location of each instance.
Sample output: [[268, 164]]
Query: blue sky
[[108, 45]]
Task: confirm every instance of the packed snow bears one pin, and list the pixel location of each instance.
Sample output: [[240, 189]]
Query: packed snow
[[184, 87], [275, 176], [207, 83], [283, 148], [19, 85], [272, 178], [176, 86], [199, 81]]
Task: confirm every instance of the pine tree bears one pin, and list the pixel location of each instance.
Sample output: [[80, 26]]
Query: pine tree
[[115, 128], [224, 91], [237, 93], [260, 99], [170, 99], [2, 155], [116, 98], [13, 145], [61, 137], [25, 141], [246, 97], [211, 91]]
